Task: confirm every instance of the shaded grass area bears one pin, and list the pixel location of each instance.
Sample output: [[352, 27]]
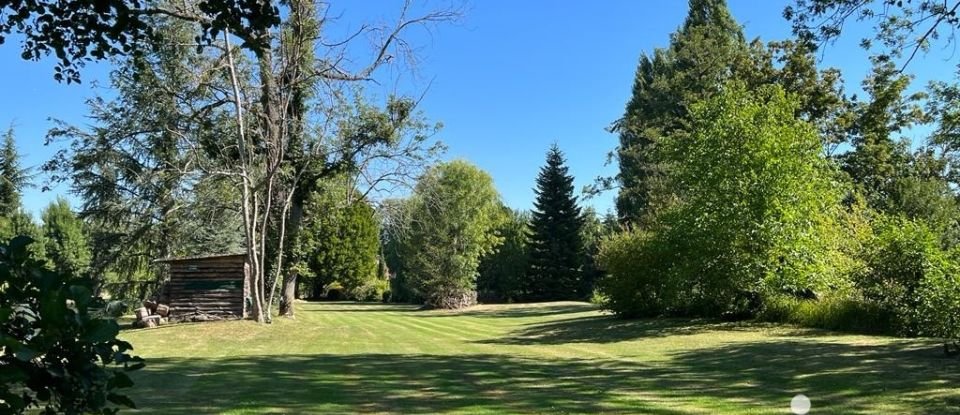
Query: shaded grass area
[[543, 358]]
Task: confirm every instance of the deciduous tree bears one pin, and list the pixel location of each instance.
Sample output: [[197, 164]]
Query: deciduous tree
[[453, 215]]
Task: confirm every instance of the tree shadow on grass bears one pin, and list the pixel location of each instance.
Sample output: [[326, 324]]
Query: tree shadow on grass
[[518, 310], [354, 307], [610, 329], [909, 376], [755, 377], [485, 310], [376, 383]]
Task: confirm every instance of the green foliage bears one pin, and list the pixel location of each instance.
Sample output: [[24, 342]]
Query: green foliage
[[597, 297], [453, 215], [907, 274], [556, 240], [67, 245], [938, 314], [340, 241], [21, 223], [758, 196], [137, 169], [55, 356], [831, 313], [757, 214], [636, 284], [502, 272], [706, 51], [119, 27], [373, 289], [900, 29], [878, 158], [593, 232]]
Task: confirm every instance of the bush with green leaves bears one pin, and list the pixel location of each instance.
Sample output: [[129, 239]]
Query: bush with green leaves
[[758, 200], [908, 274], [636, 284], [373, 290], [55, 357], [938, 314]]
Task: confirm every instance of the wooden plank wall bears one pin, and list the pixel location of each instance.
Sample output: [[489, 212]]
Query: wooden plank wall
[[212, 286]]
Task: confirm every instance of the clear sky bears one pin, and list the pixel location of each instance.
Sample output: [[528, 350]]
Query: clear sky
[[508, 80]]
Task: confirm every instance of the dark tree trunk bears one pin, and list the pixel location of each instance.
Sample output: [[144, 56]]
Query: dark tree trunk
[[288, 295], [297, 288], [317, 289]]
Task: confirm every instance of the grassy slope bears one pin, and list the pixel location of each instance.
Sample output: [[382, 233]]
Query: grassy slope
[[556, 357]]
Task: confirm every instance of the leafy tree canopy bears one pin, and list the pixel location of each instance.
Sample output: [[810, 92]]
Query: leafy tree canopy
[[78, 31]]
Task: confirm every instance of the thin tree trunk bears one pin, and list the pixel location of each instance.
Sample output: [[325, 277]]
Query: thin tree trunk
[[249, 218]]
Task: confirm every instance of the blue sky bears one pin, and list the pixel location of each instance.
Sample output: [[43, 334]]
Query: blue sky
[[507, 80]]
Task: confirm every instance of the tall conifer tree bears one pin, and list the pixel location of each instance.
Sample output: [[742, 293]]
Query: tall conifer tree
[[12, 177], [556, 244], [707, 50]]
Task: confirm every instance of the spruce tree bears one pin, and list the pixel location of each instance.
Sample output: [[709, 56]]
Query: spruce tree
[[12, 177], [556, 244]]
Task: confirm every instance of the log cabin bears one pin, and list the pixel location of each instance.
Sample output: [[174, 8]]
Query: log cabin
[[207, 287]]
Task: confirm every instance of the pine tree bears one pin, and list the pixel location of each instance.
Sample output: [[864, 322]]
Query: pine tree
[[556, 244], [12, 177], [707, 50]]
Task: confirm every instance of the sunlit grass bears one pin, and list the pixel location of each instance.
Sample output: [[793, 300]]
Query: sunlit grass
[[534, 358]]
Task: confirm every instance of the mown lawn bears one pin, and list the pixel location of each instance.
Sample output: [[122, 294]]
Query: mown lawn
[[542, 358]]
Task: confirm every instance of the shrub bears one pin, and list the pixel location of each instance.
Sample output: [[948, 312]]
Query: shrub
[[54, 356], [896, 260], [938, 314], [597, 297], [636, 284], [372, 290], [906, 273], [830, 313]]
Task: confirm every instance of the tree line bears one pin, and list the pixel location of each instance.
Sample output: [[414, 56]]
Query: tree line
[[453, 242]]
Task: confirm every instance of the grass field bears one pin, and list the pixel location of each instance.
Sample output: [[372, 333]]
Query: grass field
[[543, 358]]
